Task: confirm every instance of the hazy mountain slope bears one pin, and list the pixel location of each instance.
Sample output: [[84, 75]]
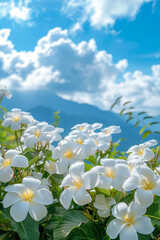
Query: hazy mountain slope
[[67, 121], [43, 103]]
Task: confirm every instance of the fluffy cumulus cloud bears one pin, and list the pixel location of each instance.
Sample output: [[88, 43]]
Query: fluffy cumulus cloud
[[101, 13], [78, 72], [19, 11], [58, 63]]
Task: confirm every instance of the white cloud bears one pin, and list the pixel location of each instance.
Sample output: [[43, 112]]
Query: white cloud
[[78, 72], [103, 13], [18, 11]]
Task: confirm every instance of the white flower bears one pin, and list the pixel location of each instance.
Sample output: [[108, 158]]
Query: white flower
[[142, 151], [103, 205], [78, 183], [15, 118], [45, 183], [5, 92], [147, 184], [57, 167], [67, 153], [83, 143], [111, 130], [112, 173], [27, 197], [12, 159], [129, 220], [99, 141], [86, 128], [40, 133]]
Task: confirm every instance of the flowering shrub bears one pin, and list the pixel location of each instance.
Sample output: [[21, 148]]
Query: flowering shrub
[[79, 187]]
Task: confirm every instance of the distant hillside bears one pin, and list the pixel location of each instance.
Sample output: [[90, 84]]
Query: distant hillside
[[67, 121], [43, 103]]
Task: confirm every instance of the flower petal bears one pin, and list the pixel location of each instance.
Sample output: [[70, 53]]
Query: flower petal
[[103, 213], [120, 210], [122, 170], [136, 210], [67, 181], [30, 141], [117, 182], [156, 189], [17, 188], [90, 179], [143, 197], [107, 162], [20, 161], [100, 202], [43, 196], [37, 211], [148, 154], [10, 154], [10, 199], [6, 174], [66, 197], [81, 197], [31, 183], [76, 169], [19, 210], [104, 182], [130, 184], [143, 225], [146, 172], [114, 228], [128, 232]]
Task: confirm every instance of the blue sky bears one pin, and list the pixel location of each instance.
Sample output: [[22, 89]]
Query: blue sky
[[48, 43]]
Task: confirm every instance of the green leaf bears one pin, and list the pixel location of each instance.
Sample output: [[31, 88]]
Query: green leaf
[[153, 212], [126, 103], [88, 231], [140, 113], [27, 229], [144, 237], [116, 102], [137, 123], [121, 112], [70, 220], [152, 123], [147, 117], [146, 133], [157, 132], [128, 198], [129, 119], [142, 129], [77, 234], [33, 160]]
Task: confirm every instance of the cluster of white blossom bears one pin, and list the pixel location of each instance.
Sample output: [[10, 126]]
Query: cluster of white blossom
[[5, 92], [69, 157]]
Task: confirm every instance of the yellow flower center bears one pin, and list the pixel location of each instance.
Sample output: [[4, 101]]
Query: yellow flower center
[[51, 166], [27, 195], [78, 184], [69, 154], [147, 184], [107, 132], [81, 128], [141, 151], [129, 219], [7, 162], [109, 173], [80, 141], [37, 133], [16, 118]]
